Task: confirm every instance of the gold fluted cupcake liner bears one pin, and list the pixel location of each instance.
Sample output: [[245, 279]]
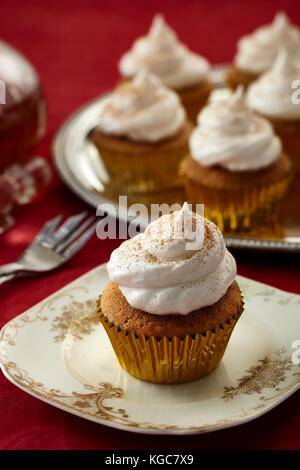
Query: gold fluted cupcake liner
[[239, 209], [195, 98], [289, 133], [169, 360], [235, 77], [142, 172]]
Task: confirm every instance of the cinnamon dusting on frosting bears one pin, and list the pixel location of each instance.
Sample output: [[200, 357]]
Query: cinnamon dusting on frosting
[[161, 53], [173, 272], [142, 110], [231, 136]]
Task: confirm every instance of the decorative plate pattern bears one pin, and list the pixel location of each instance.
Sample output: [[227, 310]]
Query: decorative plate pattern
[[58, 352]]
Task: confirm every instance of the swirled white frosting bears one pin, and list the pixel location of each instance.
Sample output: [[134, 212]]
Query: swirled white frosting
[[162, 54], [142, 110], [230, 135], [179, 264], [257, 52], [271, 94]]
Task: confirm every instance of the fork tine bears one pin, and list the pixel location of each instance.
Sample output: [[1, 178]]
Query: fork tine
[[47, 230], [69, 252], [70, 224], [70, 237]]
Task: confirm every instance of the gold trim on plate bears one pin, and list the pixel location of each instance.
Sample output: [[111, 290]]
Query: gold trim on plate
[[268, 373]]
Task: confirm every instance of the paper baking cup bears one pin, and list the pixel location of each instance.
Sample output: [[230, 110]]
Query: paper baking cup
[[239, 209], [195, 98], [139, 173], [169, 360], [235, 77], [289, 133]]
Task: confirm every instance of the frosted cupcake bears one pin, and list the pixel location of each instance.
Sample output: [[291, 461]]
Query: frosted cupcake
[[172, 300], [257, 51], [142, 136], [271, 97], [236, 166], [161, 53]]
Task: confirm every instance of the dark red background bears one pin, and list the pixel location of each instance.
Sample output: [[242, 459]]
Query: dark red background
[[75, 46]]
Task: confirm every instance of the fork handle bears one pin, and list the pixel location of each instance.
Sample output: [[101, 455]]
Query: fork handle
[[10, 268], [6, 278]]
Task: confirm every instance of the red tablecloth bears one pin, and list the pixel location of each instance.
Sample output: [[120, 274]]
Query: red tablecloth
[[75, 46]]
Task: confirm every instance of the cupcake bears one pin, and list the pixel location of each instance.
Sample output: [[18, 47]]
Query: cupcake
[[161, 53], [257, 51], [142, 136], [172, 300], [271, 97], [236, 166]]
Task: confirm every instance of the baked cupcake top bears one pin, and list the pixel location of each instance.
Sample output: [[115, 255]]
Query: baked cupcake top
[[179, 264], [142, 110], [162, 54], [231, 136], [257, 51], [271, 94]]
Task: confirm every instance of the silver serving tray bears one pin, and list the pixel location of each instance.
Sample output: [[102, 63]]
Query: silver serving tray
[[78, 164]]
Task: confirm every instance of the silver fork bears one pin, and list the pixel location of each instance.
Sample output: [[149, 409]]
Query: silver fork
[[52, 247]]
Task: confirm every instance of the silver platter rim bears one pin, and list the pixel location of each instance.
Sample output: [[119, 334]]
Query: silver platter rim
[[94, 199]]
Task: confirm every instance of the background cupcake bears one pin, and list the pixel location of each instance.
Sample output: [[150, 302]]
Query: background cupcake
[[257, 51], [271, 97], [236, 166], [142, 136], [172, 301], [162, 54]]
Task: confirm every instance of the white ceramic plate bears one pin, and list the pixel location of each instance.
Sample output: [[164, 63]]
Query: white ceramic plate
[[58, 352]]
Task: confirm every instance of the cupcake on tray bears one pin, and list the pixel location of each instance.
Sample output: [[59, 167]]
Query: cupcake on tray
[[271, 97], [172, 301], [236, 166], [142, 136], [257, 51], [161, 53]]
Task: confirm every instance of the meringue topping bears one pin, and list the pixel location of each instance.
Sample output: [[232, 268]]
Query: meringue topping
[[232, 136], [271, 94], [257, 52], [161, 53], [142, 109], [160, 273]]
